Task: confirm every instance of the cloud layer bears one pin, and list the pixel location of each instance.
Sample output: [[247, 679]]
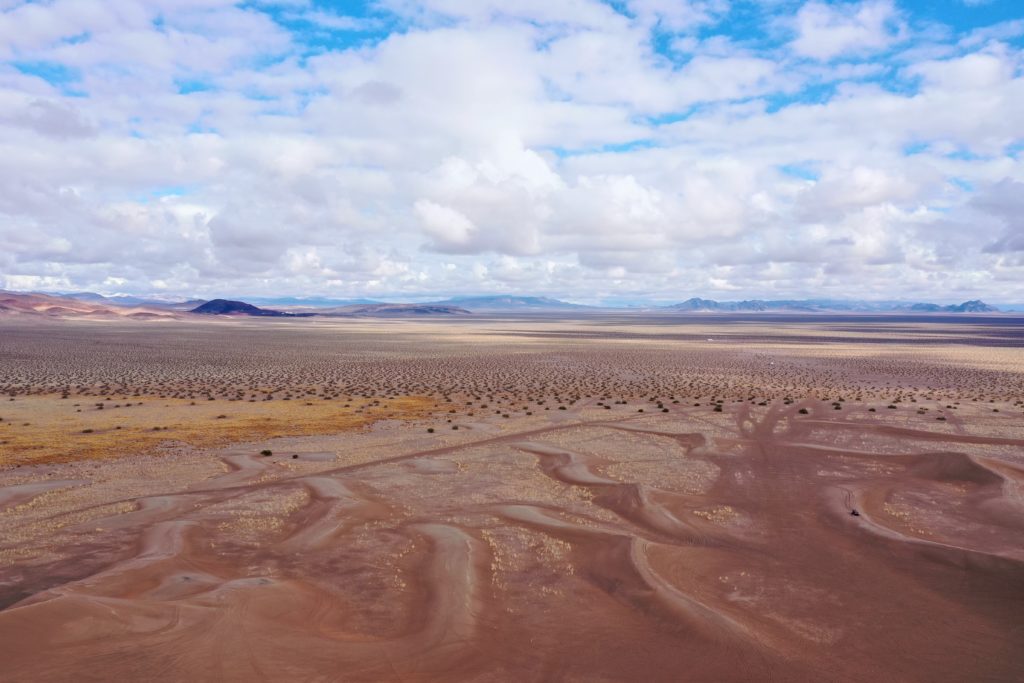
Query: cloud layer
[[650, 149]]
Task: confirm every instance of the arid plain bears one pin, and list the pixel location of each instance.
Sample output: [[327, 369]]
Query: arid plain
[[607, 498]]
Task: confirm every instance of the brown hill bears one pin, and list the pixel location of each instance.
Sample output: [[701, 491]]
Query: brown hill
[[46, 306]]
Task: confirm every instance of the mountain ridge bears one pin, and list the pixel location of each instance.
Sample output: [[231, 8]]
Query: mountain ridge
[[79, 302], [388, 310], [51, 306], [510, 302], [242, 308], [699, 305]]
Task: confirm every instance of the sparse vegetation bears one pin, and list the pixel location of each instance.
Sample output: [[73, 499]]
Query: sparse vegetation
[[345, 379]]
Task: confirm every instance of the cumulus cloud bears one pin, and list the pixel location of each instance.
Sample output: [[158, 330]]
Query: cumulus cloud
[[826, 30], [1003, 204], [584, 149], [451, 229], [678, 15]]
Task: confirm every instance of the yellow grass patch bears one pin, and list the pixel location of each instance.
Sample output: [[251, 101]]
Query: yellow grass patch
[[48, 428]]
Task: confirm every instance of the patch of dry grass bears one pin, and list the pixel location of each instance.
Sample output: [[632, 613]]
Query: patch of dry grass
[[50, 429]]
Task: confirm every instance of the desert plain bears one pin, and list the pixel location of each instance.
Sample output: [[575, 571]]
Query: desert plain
[[608, 498]]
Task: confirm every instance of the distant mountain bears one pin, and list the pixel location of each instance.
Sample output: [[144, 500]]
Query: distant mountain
[[185, 306], [510, 303], [379, 310], [131, 301], [119, 300], [227, 307], [308, 301], [973, 306], [91, 303], [755, 305], [697, 305], [50, 306]]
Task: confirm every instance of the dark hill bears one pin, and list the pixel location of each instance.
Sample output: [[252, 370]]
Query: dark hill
[[226, 307]]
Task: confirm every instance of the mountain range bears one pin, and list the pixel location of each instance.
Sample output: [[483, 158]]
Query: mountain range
[[91, 304], [241, 308], [127, 300], [48, 306], [697, 305], [380, 310], [512, 303]]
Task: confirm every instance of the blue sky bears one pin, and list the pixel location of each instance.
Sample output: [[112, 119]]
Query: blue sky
[[627, 150]]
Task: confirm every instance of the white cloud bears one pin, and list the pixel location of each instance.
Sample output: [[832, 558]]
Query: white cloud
[[825, 31], [678, 15], [451, 228], [976, 71], [549, 147]]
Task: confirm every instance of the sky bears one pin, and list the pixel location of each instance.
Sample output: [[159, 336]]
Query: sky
[[600, 151]]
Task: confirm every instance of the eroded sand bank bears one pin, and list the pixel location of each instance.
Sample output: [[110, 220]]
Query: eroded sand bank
[[510, 554]]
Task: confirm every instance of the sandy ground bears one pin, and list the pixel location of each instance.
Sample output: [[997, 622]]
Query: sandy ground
[[649, 509]]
